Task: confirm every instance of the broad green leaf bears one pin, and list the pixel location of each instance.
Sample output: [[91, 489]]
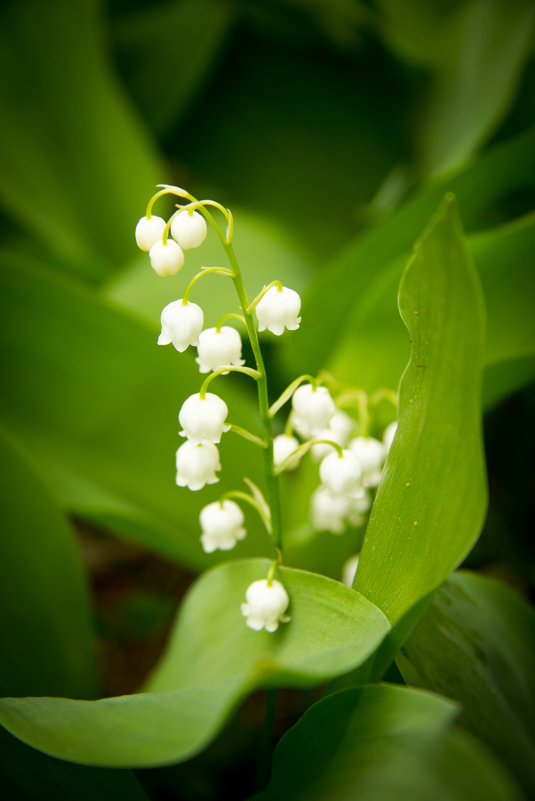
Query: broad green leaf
[[476, 87], [264, 252], [347, 287], [212, 662], [382, 742], [45, 627], [95, 400], [168, 51], [76, 166], [28, 775], [374, 349], [475, 645], [431, 502]]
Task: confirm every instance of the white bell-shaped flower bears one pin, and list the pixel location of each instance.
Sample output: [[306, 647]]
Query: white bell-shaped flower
[[349, 570], [389, 434], [181, 324], [279, 309], [222, 526], [313, 409], [341, 474], [328, 512], [149, 230], [283, 446], [359, 505], [339, 430], [166, 258], [203, 418], [217, 348], [189, 229], [196, 465], [370, 454], [265, 605]]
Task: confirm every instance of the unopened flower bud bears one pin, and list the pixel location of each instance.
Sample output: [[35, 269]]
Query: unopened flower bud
[[313, 408], [189, 229], [149, 230], [283, 446], [217, 348], [181, 324], [370, 454], [203, 418], [341, 474], [166, 258], [279, 309], [196, 465], [222, 526], [265, 605]]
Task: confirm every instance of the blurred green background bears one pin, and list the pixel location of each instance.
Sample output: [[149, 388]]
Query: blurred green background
[[332, 131]]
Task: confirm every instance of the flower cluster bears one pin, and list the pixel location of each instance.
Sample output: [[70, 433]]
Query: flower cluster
[[350, 461]]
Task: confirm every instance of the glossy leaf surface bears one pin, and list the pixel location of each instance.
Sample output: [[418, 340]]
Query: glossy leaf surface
[[382, 742], [213, 661], [431, 502], [475, 645]]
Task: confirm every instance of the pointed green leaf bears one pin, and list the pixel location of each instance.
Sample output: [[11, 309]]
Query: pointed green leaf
[[378, 743], [432, 499], [45, 627], [475, 645], [213, 660]]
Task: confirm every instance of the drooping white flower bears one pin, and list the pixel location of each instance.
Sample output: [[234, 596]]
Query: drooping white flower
[[203, 418], [389, 434], [349, 570], [166, 258], [313, 408], [359, 504], [189, 229], [283, 446], [341, 474], [328, 512], [265, 605], [222, 526], [370, 454], [181, 324], [196, 465], [216, 348], [339, 430], [148, 231], [279, 309]]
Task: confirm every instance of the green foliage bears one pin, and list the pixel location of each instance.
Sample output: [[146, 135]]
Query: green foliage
[[475, 645], [213, 661], [43, 590], [381, 742]]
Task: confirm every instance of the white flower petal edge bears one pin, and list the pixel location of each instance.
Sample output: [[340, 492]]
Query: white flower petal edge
[[313, 409], [389, 434], [341, 474], [189, 229], [221, 524], [265, 605], [166, 258], [370, 453], [328, 511], [217, 348], [349, 570], [181, 324], [203, 419], [283, 446], [196, 465], [148, 231], [279, 309]]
